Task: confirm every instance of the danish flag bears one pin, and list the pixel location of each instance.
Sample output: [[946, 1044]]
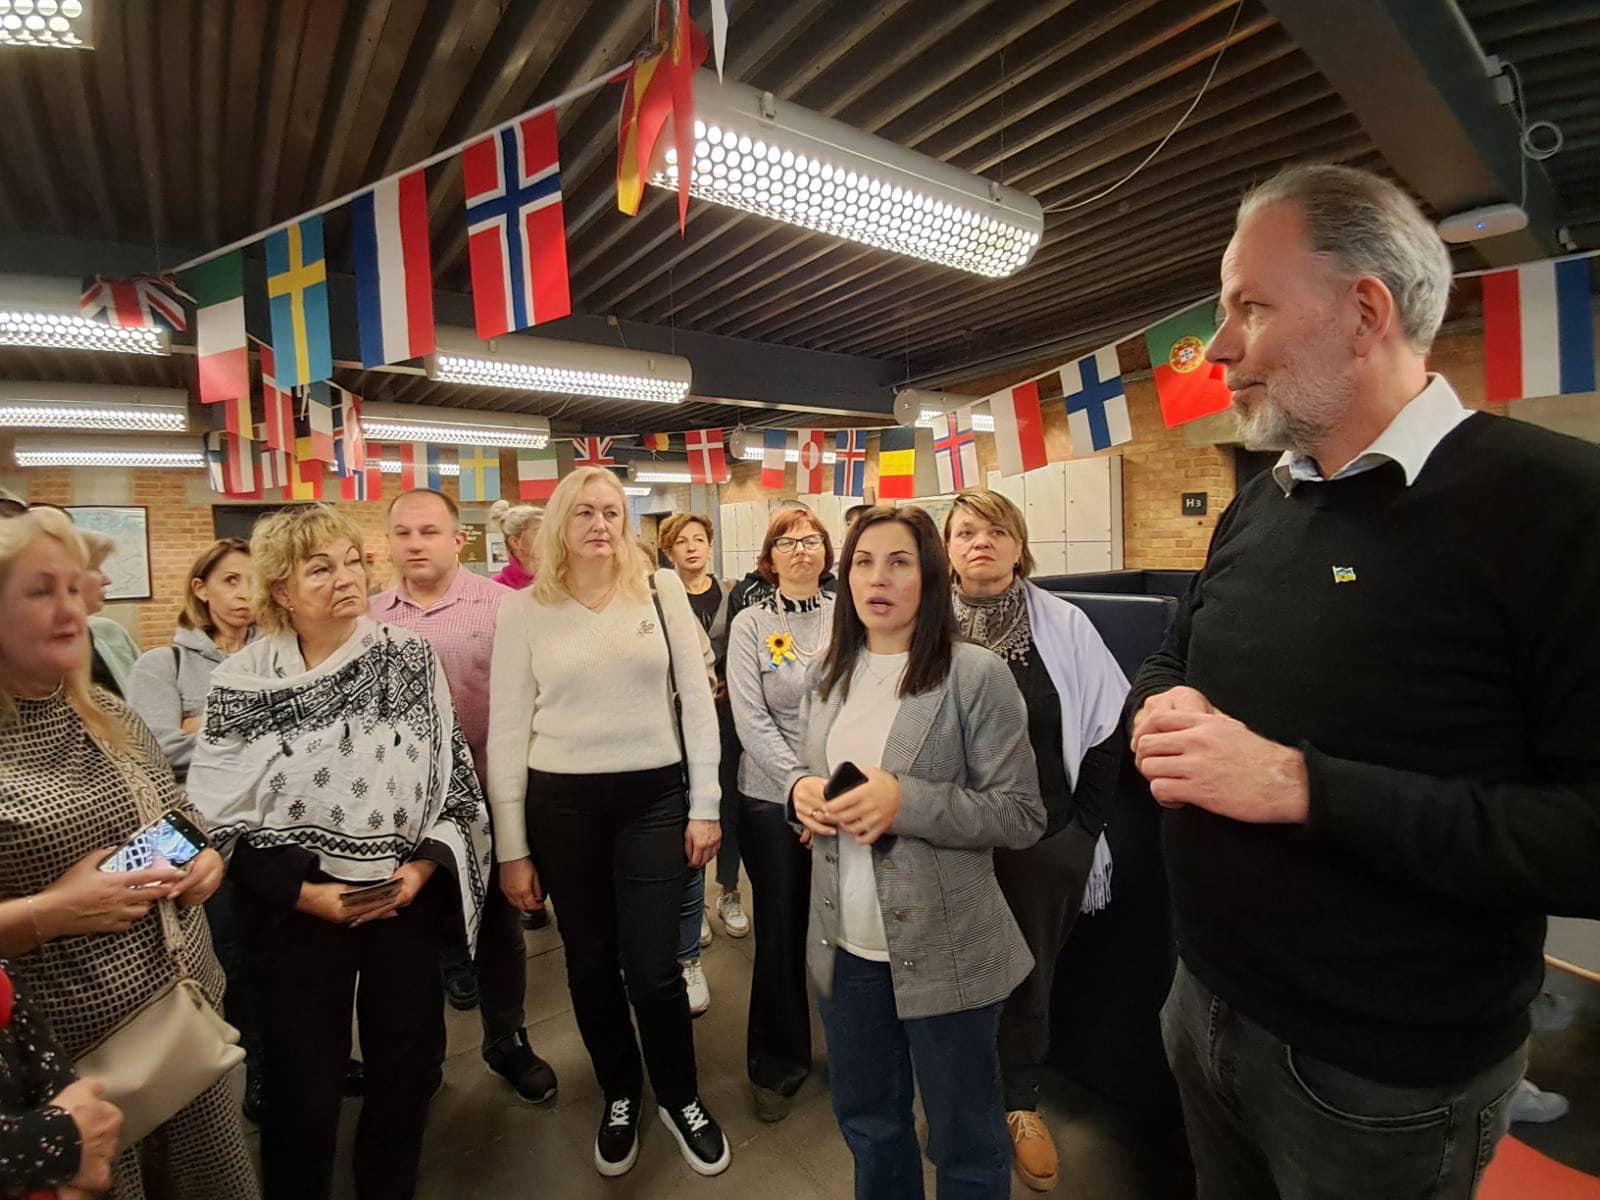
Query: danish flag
[[708, 461]]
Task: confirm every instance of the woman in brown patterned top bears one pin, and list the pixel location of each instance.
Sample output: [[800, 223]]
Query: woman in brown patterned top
[[88, 945]]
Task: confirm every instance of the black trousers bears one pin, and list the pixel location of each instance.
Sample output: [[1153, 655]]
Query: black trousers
[[728, 855], [239, 1005], [778, 1036], [609, 851], [500, 964], [1044, 886], [308, 972]]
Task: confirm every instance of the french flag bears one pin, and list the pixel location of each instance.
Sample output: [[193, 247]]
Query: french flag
[[1538, 331], [394, 276]]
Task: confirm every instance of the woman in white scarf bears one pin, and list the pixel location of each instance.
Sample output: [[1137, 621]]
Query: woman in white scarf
[[331, 756]]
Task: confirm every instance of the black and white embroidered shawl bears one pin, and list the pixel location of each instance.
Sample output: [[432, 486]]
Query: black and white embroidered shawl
[[358, 760]]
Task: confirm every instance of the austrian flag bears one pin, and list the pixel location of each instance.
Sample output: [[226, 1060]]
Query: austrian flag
[[516, 230]]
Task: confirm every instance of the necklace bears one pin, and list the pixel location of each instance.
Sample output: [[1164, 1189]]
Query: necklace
[[801, 652], [600, 603], [894, 670]]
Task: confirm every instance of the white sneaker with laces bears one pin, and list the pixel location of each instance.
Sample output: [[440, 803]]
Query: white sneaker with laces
[[1535, 1106], [705, 931], [730, 907], [694, 978]]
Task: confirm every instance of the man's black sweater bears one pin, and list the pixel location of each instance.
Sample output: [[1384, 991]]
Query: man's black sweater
[[1435, 652]]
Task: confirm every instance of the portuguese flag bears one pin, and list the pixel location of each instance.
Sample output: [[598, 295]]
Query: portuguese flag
[[1189, 386]]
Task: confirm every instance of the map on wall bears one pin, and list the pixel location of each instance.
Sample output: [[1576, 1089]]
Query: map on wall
[[128, 568]]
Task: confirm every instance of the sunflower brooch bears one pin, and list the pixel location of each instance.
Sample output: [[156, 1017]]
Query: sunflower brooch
[[780, 648]]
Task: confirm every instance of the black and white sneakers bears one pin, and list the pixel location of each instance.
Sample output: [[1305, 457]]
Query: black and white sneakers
[[616, 1146], [699, 1137]]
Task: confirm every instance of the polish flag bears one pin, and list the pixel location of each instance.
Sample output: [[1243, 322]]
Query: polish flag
[[1018, 429]]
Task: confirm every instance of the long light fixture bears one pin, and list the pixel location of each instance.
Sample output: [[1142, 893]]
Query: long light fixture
[[755, 454], [766, 156], [42, 310], [659, 470], [83, 450], [65, 24], [913, 406], [638, 493], [93, 407], [453, 426], [393, 466], [537, 364]]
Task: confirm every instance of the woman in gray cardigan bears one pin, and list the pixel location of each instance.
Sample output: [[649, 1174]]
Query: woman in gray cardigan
[[912, 947]]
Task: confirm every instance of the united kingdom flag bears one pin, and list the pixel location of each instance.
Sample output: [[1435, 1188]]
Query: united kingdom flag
[[592, 452], [143, 302], [516, 230]]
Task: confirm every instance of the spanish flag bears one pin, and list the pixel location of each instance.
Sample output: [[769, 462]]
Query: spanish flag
[[897, 463], [659, 84]]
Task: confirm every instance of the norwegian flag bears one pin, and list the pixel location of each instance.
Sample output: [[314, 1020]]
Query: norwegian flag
[[516, 229], [708, 460], [592, 452], [278, 428], [137, 303]]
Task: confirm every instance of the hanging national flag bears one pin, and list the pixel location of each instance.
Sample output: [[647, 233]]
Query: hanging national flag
[[592, 452], [1018, 428], [274, 466], [480, 473], [297, 296], [306, 474], [394, 279], [221, 352], [143, 302], [809, 471], [277, 404], [661, 84], [774, 454], [955, 451], [708, 458], [1538, 331], [897, 463], [538, 471], [516, 233], [655, 441], [349, 440], [231, 465], [419, 466], [1097, 407], [360, 486], [850, 463], [316, 421], [1189, 387]]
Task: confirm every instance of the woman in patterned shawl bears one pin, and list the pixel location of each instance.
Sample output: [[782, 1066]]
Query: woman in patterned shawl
[[331, 758], [85, 943]]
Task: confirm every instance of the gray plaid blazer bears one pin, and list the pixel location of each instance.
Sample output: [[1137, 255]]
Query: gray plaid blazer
[[968, 783]]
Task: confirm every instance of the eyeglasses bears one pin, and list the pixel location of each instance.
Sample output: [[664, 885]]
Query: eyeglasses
[[786, 545]]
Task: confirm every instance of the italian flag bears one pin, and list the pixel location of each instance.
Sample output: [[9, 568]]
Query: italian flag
[[223, 356], [537, 473], [1189, 386]]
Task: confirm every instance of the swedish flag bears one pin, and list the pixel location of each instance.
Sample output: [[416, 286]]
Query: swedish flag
[[297, 296], [480, 473]]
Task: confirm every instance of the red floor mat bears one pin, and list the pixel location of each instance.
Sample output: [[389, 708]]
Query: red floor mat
[[1519, 1172]]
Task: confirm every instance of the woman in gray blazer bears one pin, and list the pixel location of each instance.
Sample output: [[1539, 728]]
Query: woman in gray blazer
[[912, 947]]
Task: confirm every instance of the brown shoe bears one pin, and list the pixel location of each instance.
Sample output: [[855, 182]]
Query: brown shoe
[[1033, 1149]]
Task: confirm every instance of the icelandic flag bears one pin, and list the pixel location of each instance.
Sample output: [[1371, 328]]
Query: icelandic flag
[[419, 466], [1097, 407], [850, 463], [1538, 330], [297, 296], [394, 278], [516, 230], [955, 451], [774, 452]]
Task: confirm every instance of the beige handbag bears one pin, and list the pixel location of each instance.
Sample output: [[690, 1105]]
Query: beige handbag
[[175, 1045]]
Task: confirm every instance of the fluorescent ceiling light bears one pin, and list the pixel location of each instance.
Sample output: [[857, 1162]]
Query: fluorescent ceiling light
[[538, 364], [629, 489], [754, 453], [659, 470], [913, 406], [452, 426], [83, 450], [43, 310], [92, 406], [762, 155], [392, 466], [66, 24]]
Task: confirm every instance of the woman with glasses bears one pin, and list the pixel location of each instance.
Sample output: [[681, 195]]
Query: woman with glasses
[[770, 648]]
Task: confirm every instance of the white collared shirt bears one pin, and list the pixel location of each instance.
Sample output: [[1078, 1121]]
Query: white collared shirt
[[1413, 435]]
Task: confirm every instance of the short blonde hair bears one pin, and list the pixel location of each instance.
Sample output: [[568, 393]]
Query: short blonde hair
[[632, 563], [97, 546], [16, 535], [997, 510], [515, 520], [284, 540]]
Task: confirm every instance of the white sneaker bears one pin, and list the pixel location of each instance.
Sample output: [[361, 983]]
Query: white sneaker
[[694, 978], [731, 909], [705, 931], [1530, 1104]]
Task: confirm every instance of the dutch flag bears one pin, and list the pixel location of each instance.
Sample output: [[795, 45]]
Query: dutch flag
[[1538, 330]]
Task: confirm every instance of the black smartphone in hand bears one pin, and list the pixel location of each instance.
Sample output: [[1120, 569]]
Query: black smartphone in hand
[[845, 777]]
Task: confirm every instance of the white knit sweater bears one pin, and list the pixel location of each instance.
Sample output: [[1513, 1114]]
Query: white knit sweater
[[573, 692]]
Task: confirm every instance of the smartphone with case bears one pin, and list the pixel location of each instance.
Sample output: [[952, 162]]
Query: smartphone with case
[[171, 838], [846, 776]]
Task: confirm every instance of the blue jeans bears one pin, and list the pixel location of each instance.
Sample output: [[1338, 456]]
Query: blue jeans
[[877, 1062], [1268, 1122]]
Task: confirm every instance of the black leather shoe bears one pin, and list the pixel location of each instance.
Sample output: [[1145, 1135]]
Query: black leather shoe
[[255, 1097], [355, 1078], [513, 1060], [699, 1137], [462, 991], [537, 919], [616, 1146]]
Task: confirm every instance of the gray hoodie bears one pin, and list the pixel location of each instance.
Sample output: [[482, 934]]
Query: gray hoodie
[[169, 685]]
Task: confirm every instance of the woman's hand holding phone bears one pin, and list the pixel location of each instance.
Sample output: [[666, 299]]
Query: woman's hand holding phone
[[868, 809], [201, 880], [88, 900], [811, 808]]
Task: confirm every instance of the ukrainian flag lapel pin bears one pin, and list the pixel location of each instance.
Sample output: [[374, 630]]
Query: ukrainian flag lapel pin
[[1344, 574]]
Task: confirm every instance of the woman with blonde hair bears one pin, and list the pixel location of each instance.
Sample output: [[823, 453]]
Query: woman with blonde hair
[[79, 773], [330, 757], [520, 524], [587, 759], [113, 650]]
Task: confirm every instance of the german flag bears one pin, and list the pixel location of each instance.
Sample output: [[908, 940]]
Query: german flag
[[655, 441], [659, 84], [897, 463]]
